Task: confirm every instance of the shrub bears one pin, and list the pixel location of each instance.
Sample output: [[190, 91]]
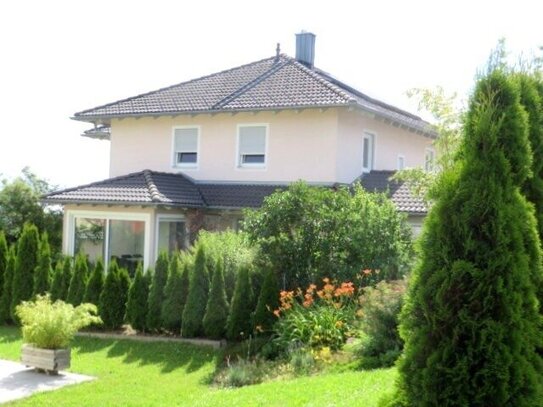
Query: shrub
[[172, 308], [268, 301], [95, 284], [195, 307], [239, 324], [52, 325], [113, 298], [42, 277], [381, 305], [5, 299], [58, 281], [3, 258], [138, 295], [243, 373], [67, 274], [301, 360], [78, 283], [217, 307], [316, 318], [25, 264], [156, 292], [305, 232]]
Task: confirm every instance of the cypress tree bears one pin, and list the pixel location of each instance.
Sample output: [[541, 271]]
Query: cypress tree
[[113, 298], [195, 308], [58, 279], [156, 292], [5, 300], [172, 307], [239, 324], [136, 306], [217, 306], [470, 320], [268, 301], [42, 277], [78, 283], [67, 274], [3, 259], [95, 284], [25, 264]]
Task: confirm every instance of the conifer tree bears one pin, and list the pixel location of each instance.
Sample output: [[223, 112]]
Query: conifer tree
[[268, 301], [195, 308], [172, 307], [78, 283], [470, 322], [5, 299], [156, 292], [113, 298], [3, 259], [136, 306], [25, 264], [217, 306], [95, 284], [67, 274], [57, 281], [42, 277], [239, 325]]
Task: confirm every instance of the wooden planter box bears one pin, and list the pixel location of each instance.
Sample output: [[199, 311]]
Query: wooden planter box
[[49, 360]]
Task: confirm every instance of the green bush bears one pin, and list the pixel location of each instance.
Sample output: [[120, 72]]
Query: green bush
[[268, 301], [239, 325], [78, 283], [217, 307], [3, 258], [381, 343], [52, 325], [138, 295], [172, 307], [95, 284], [113, 298], [42, 276], [195, 308], [25, 264], [156, 293], [57, 281], [5, 299], [307, 233]]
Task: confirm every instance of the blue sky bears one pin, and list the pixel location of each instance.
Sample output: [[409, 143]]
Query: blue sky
[[59, 57]]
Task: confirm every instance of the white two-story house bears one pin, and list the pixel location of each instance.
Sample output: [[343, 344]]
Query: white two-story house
[[193, 155]]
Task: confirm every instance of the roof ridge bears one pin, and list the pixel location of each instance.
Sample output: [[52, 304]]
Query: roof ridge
[[172, 86], [156, 196]]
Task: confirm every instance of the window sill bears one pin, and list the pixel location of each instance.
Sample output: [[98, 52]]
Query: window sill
[[185, 167]]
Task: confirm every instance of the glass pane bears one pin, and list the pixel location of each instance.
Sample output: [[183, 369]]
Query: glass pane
[[89, 237], [126, 241], [185, 158], [252, 158], [366, 153], [171, 235]]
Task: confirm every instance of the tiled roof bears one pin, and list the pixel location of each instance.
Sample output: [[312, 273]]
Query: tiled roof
[[168, 189], [400, 193], [272, 83]]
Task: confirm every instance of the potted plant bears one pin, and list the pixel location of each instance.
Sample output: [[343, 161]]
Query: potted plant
[[48, 327]]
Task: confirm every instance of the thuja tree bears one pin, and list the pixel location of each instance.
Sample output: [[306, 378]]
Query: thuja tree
[[136, 306], [268, 301], [42, 277], [217, 306], [25, 264], [67, 273], [156, 293], [95, 284], [172, 307], [57, 281], [239, 324], [78, 283], [3, 258], [195, 308], [5, 299], [470, 322], [113, 298]]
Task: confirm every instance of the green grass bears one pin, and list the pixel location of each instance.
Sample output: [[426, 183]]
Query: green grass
[[131, 373]]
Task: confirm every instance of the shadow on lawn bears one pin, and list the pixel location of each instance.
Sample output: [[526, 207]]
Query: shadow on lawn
[[9, 334], [170, 356]]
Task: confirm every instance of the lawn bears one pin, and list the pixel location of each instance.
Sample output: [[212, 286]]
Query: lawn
[[131, 373]]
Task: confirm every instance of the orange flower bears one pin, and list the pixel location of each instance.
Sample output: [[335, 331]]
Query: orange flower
[[277, 313], [326, 280]]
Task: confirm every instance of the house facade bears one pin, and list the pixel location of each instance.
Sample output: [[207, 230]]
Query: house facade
[[195, 154]]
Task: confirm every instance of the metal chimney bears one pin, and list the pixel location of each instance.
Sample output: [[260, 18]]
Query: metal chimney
[[305, 48]]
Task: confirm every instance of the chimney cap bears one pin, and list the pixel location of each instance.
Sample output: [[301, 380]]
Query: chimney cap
[[305, 48]]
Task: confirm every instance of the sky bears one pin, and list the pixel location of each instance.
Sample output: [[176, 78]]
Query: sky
[[60, 57]]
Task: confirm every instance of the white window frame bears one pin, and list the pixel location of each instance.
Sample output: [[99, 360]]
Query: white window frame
[[370, 136], [429, 151], [169, 217], [69, 230], [263, 165], [190, 166], [401, 158]]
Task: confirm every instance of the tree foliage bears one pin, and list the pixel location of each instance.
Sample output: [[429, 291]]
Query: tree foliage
[[239, 324], [5, 298], [42, 277], [95, 284], [174, 301], [112, 306], [3, 258], [216, 313], [470, 322], [156, 293], [193, 314], [138, 295], [78, 283], [268, 301]]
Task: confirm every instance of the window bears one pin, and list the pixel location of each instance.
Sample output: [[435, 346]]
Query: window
[[89, 237], [185, 147], [429, 160], [401, 162], [171, 234], [367, 152], [252, 145]]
